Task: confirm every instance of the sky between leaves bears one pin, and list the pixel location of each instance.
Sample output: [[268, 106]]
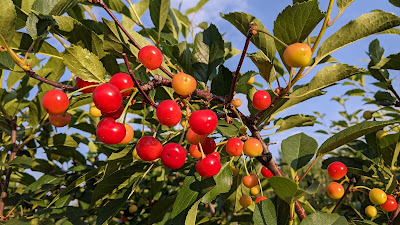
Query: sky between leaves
[[267, 11]]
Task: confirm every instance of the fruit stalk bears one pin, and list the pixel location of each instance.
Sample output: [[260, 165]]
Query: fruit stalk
[[137, 84], [352, 182], [4, 185], [395, 213], [390, 87], [130, 38], [250, 34]]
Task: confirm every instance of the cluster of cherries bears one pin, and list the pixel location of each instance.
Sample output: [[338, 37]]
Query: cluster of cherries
[[338, 170]]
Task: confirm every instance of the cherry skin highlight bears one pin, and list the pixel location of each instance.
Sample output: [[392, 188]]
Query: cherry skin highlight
[[107, 98], [148, 148], [110, 132], [173, 156], [209, 166], [55, 102], [337, 170], [169, 113], [151, 57], [203, 122], [261, 100]]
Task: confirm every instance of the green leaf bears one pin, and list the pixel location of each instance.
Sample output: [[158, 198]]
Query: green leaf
[[53, 7], [395, 2], [364, 26], [130, 21], [196, 8], [263, 64], [392, 62], [8, 17], [208, 53], [159, 10], [376, 53], [298, 150], [384, 98], [262, 41], [22, 41], [352, 133], [223, 182], [295, 23], [23, 161], [324, 218], [221, 84], [329, 75], [84, 64], [265, 213], [285, 189], [390, 147], [76, 33], [343, 4], [62, 140], [299, 95], [186, 197], [108, 211], [160, 209], [292, 121], [76, 183], [191, 216], [183, 56], [46, 182], [6, 62], [228, 130]]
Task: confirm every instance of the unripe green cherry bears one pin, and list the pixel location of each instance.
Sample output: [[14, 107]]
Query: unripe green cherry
[[367, 115]]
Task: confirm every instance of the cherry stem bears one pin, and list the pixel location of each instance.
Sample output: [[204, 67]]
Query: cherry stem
[[200, 147], [390, 87], [14, 150], [274, 37], [130, 71], [245, 164], [190, 105], [183, 132], [130, 38], [309, 168], [155, 132], [250, 34], [346, 192], [123, 115], [84, 88]]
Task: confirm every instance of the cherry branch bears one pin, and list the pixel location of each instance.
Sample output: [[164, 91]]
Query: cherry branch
[[137, 84], [130, 38], [250, 34], [64, 87], [346, 192], [395, 213], [4, 185], [390, 87]]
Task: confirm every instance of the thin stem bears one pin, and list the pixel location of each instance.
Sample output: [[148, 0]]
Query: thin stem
[[245, 164], [390, 87], [291, 216], [59, 40], [250, 34], [29, 50], [309, 167], [346, 192], [200, 147], [330, 23], [324, 26], [90, 12], [277, 39], [127, 106], [87, 87], [137, 84], [190, 105], [130, 38]]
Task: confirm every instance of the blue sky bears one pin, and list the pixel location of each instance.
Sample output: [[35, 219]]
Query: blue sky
[[267, 11]]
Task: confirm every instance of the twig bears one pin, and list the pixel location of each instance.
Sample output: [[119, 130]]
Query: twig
[[130, 38], [346, 192], [395, 213], [390, 87], [250, 34], [64, 87], [137, 84], [4, 185]]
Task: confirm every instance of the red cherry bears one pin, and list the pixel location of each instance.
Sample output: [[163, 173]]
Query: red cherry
[[209, 166], [173, 156], [191, 137], [115, 115], [208, 145], [82, 83], [337, 170], [151, 57], [234, 147], [266, 172], [259, 198], [109, 132], [148, 148], [107, 98], [203, 121], [122, 81], [169, 113], [55, 102], [261, 100], [217, 155], [390, 205]]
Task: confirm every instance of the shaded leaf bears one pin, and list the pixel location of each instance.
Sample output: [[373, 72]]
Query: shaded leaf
[[298, 120], [8, 17], [298, 150], [324, 218], [264, 213]]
